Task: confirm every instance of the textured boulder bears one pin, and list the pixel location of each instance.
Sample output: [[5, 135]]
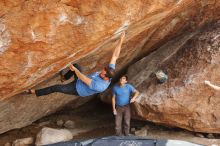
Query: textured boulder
[[50, 136], [184, 100], [39, 38], [23, 141]]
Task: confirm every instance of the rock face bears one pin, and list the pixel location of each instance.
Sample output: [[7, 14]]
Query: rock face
[[23, 142], [184, 100], [50, 136], [39, 38]]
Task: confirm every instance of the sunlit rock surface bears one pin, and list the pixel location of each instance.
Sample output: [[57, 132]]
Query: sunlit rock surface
[[40, 38]]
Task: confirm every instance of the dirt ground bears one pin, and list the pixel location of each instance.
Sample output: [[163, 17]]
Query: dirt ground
[[95, 119]]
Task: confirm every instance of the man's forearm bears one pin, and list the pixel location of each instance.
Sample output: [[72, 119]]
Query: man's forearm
[[136, 95], [113, 103], [118, 49], [82, 77]]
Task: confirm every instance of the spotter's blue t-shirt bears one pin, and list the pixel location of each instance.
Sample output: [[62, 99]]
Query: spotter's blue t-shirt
[[123, 94], [97, 85]]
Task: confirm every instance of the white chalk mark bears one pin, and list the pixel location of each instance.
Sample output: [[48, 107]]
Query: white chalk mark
[[33, 35], [79, 20], [5, 38], [29, 63], [63, 17], [122, 28], [72, 55]]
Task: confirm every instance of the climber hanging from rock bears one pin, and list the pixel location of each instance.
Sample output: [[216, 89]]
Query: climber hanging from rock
[[84, 85], [212, 86]]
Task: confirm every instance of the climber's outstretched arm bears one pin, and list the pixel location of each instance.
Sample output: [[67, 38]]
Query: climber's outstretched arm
[[117, 50]]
